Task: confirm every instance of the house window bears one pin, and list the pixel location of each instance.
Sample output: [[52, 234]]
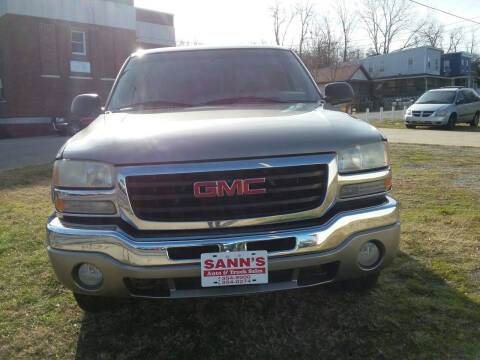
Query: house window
[[436, 64], [428, 62], [410, 61], [79, 46], [370, 68], [446, 66], [382, 66]]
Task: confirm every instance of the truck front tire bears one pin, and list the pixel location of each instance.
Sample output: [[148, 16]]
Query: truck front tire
[[95, 304], [359, 285]]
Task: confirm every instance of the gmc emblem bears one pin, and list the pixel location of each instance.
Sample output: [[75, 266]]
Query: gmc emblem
[[220, 188]]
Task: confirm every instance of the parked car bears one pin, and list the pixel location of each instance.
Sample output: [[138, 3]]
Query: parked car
[[70, 124], [219, 171], [407, 101], [444, 107]]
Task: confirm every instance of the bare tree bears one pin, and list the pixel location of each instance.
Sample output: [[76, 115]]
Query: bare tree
[[323, 45], [347, 21], [431, 34], [181, 42], [281, 21], [471, 44], [305, 11], [455, 37], [371, 19], [384, 21]]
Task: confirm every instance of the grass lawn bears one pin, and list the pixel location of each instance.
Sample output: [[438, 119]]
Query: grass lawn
[[426, 306]]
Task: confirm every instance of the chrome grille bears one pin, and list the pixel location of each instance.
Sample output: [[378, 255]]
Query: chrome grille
[[170, 197]]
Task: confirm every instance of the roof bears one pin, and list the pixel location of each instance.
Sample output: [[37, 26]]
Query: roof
[[339, 73], [393, 53], [195, 48]]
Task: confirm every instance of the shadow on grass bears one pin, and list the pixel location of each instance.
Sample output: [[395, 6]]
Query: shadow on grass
[[412, 313]]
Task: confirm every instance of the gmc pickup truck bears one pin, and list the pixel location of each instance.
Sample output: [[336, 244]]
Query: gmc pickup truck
[[219, 171]]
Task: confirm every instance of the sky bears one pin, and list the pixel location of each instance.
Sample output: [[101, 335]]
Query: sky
[[229, 22]]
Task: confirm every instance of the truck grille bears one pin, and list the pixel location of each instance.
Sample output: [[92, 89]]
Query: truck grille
[[170, 197]]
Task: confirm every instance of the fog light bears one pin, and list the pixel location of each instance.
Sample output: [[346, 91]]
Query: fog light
[[369, 254], [89, 276]]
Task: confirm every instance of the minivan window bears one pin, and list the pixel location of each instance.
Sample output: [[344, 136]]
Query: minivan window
[[211, 77], [437, 97], [471, 96]]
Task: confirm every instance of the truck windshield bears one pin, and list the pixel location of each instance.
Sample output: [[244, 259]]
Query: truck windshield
[[437, 97], [212, 77]]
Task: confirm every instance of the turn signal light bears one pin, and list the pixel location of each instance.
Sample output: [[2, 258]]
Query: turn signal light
[[59, 204], [388, 183]]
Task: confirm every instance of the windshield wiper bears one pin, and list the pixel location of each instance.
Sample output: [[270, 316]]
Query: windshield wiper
[[156, 104], [251, 100]]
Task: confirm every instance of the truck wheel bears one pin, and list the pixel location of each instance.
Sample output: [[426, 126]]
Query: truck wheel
[[410, 126], [360, 284], [94, 304], [474, 122], [451, 122]]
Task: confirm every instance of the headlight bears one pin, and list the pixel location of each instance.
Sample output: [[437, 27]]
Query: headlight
[[409, 111], [441, 113], [82, 174], [364, 157]]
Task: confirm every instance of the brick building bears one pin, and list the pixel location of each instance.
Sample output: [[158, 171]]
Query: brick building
[[53, 50]]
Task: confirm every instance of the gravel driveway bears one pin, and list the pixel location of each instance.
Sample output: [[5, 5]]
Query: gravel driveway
[[432, 137]]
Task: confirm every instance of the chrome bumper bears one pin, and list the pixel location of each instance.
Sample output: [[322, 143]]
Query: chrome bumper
[[121, 256]]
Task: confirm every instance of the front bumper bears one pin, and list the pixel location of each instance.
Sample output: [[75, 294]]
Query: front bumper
[[429, 120], [123, 259]]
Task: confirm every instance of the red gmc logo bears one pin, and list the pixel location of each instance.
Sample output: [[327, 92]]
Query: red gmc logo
[[219, 188]]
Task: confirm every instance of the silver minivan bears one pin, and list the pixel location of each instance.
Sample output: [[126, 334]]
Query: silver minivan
[[444, 107]]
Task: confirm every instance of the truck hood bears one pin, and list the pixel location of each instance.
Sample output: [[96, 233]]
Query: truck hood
[[215, 133]]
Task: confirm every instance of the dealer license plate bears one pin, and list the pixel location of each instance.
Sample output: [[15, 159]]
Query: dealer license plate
[[234, 268]]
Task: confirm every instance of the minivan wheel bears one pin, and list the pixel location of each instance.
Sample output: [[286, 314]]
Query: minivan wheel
[[452, 120], [474, 122], [95, 304]]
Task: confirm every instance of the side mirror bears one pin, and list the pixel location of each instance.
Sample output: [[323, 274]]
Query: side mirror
[[86, 105], [339, 93]]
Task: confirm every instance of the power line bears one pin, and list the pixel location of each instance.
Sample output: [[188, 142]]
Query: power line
[[458, 22], [443, 11]]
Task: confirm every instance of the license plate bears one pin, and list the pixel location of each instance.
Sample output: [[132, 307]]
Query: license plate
[[234, 268]]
